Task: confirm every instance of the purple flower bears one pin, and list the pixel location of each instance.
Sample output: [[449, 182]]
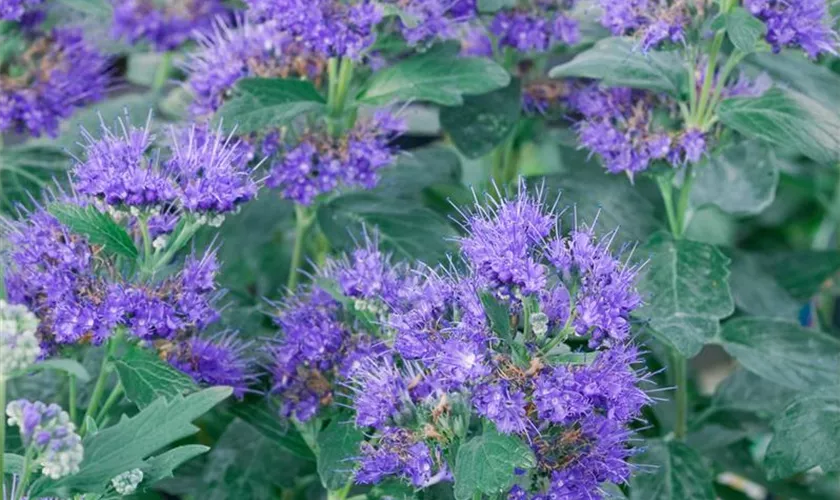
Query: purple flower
[[50, 436], [205, 172], [800, 23], [653, 22], [228, 54], [14, 10], [380, 391], [503, 405], [165, 25], [537, 30], [319, 163], [396, 452], [432, 20], [216, 361], [56, 74]]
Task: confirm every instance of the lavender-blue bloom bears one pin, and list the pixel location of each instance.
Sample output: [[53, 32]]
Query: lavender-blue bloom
[[228, 54], [397, 453], [165, 25], [14, 10], [503, 404], [800, 23], [56, 74], [651, 21], [215, 361], [320, 163], [537, 28]]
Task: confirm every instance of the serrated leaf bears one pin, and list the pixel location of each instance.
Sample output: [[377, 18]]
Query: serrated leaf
[[98, 227], [788, 119], [483, 121], [686, 291], [806, 435], [618, 204], [439, 77], [746, 391], [408, 229], [338, 447], [146, 378], [619, 62], [127, 444], [163, 466], [757, 292], [486, 464], [69, 366], [744, 30], [782, 352], [246, 464], [257, 413], [740, 180], [677, 472], [262, 103]]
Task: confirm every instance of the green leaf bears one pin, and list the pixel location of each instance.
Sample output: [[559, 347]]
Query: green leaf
[[677, 472], [486, 463], [783, 352], [408, 229], [127, 444], [806, 435], [745, 30], [98, 8], [483, 121], [757, 292], [162, 466], [685, 286], [801, 272], [338, 446], [618, 62], [740, 180], [257, 412], [420, 169], [245, 464], [798, 72], [437, 76], [98, 227], [618, 205], [146, 378], [28, 169], [69, 366], [498, 314], [261, 103], [786, 118], [14, 464], [746, 391]]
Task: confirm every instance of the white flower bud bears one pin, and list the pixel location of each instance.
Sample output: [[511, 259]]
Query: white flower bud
[[127, 482], [18, 344]]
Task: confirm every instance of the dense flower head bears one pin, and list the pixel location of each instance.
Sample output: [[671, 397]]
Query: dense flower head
[[165, 25], [14, 10], [538, 27], [328, 27], [18, 343], [53, 75], [49, 432], [651, 21], [127, 482], [618, 125], [204, 173], [800, 23], [228, 54], [319, 163], [424, 21], [222, 360], [486, 341]]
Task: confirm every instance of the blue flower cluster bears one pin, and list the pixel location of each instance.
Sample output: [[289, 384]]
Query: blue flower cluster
[[165, 25], [49, 433], [653, 22], [15, 10], [801, 23], [414, 353], [537, 27], [53, 74]]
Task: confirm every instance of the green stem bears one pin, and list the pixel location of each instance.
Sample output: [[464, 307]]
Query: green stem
[[667, 190], [71, 398], [340, 494], [162, 73], [2, 433], [680, 371], [189, 230], [731, 64], [112, 399], [700, 109], [831, 219], [24, 479], [143, 224], [682, 203], [340, 74], [99, 388], [303, 219]]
